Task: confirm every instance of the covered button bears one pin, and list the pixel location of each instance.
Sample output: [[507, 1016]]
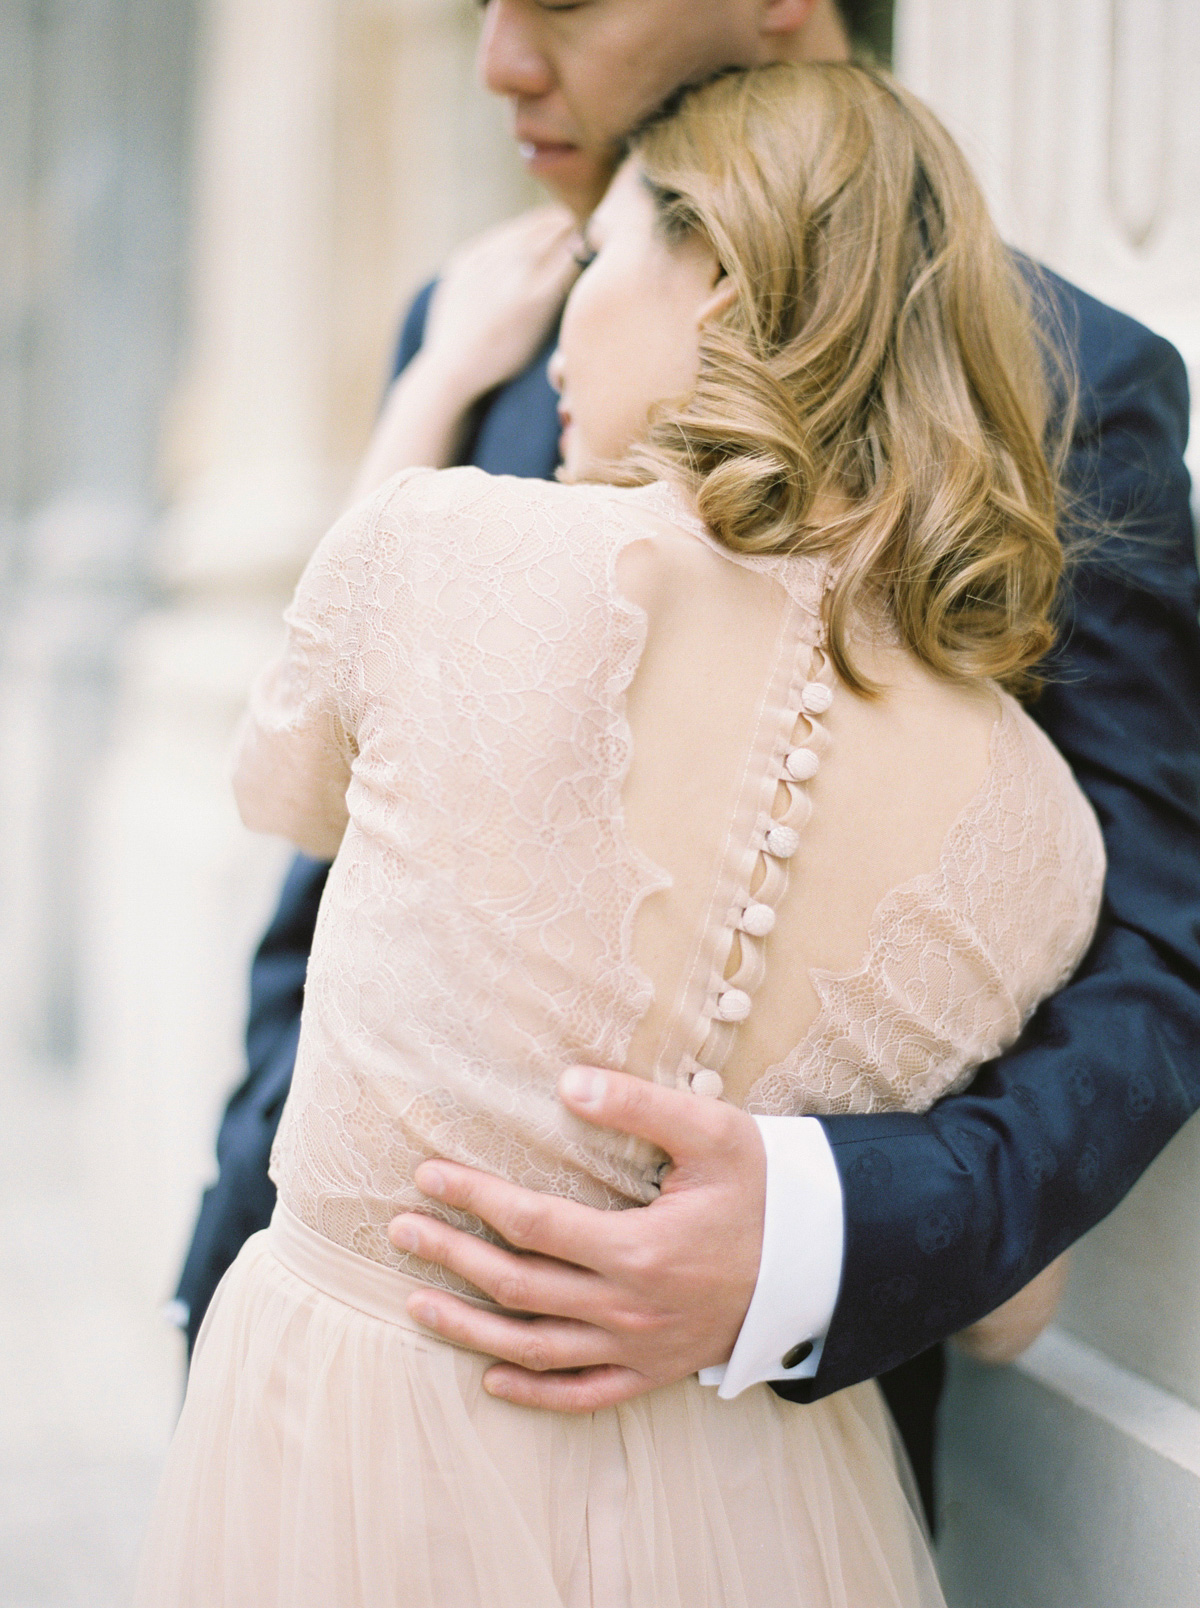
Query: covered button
[[782, 842], [733, 1005], [708, 1083], [816, 697], [758, 920], [801, 764]]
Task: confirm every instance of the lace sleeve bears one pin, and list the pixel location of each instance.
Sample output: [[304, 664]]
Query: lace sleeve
[[298, 738]]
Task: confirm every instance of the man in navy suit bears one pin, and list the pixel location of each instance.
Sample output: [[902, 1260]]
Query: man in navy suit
[[866, 1240]]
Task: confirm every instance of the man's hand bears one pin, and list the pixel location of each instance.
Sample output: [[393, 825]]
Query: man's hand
[[623, 1301]]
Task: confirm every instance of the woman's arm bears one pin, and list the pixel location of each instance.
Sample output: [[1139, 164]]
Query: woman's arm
[[518, 435], [489, 314], [486, 318], [296, 742]]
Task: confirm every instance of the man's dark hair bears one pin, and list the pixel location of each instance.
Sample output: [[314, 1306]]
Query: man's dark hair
[[869, 24]]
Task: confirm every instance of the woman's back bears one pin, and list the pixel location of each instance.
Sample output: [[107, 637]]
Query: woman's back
[[597, 794], [608, 802]]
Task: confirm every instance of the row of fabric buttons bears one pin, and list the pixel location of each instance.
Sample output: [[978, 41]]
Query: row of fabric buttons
[[781, 839]]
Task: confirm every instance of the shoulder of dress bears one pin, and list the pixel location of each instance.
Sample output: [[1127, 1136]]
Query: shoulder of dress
[[1026, 739], [475, 491], [1048, 786]]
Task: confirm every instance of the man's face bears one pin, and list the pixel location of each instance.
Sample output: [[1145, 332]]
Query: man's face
[[579, 74]]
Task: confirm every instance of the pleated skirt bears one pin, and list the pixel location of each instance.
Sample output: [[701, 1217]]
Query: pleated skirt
[[331, 1454]]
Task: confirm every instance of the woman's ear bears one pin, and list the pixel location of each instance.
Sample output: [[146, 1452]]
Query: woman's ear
[[723, 295]]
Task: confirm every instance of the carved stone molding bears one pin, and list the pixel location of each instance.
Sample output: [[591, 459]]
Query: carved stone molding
[[1141, 114]]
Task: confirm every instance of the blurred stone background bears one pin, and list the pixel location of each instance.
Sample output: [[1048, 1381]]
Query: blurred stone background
[[213, 212]]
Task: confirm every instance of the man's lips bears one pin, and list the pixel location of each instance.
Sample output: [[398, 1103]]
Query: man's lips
[[534, 152]]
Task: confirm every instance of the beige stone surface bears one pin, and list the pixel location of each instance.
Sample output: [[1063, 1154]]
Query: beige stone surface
[[343, 149], [1134, 1289], [1067, 1482], [90, 1377], [1079, 118]]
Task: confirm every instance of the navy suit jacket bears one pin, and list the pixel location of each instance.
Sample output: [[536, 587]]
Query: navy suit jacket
[[950, 1212]]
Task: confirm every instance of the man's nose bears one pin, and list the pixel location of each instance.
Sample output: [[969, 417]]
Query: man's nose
[[509, 61]]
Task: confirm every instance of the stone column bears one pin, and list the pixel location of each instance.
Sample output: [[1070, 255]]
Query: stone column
[[1074, 1476], [1078, 117], [94, 111], [342, 149]]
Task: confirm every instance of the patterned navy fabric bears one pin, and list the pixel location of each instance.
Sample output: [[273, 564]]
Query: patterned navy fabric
[[947, 1214]]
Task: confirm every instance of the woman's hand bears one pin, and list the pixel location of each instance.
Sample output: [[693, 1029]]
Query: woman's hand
[[494, 306], [498, 299], [1011, 1328]]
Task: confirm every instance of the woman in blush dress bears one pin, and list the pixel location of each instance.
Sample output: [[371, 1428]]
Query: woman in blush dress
[[707, 764]]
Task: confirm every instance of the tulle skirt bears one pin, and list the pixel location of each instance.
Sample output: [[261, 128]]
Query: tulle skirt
[[330, 1454]]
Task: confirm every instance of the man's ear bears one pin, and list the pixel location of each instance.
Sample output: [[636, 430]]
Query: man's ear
[[724, 294], [803, 30], [784, 16]]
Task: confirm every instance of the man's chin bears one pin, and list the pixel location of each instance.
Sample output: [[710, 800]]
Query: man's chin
[[573, 176]]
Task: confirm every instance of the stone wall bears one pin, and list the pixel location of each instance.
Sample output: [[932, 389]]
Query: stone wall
[[95, 112], [95, 156], [1078, 116]]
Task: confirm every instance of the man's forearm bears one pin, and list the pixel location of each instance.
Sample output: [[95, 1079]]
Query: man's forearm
[[952, 1212]]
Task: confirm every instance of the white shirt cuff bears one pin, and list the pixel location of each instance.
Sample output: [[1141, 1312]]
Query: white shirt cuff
[[801, 1267]]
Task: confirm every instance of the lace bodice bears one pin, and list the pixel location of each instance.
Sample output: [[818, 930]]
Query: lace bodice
[[596, 794]]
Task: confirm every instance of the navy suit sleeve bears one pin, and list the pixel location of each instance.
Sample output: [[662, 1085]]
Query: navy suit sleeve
[[949, 1213], [412, 331]]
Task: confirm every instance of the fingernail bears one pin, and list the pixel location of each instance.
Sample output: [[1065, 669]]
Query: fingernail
[[431, 1180], [425, 1312], [582, 1084], [405, 1234], [496, 1387]]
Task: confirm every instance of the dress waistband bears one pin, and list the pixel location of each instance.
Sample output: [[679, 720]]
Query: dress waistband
[[354, 1280]]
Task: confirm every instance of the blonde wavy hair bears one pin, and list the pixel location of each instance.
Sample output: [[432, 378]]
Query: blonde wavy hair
[[879, 389]]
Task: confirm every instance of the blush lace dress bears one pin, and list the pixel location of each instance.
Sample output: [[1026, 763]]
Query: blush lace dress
[[595, 794]]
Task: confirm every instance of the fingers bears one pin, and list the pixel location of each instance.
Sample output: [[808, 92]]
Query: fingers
[[537, 232], [551, 222], [687, 1127], [584, 1392], [530, 1221], [553, 249], [533, 1344], [536, 1284]]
